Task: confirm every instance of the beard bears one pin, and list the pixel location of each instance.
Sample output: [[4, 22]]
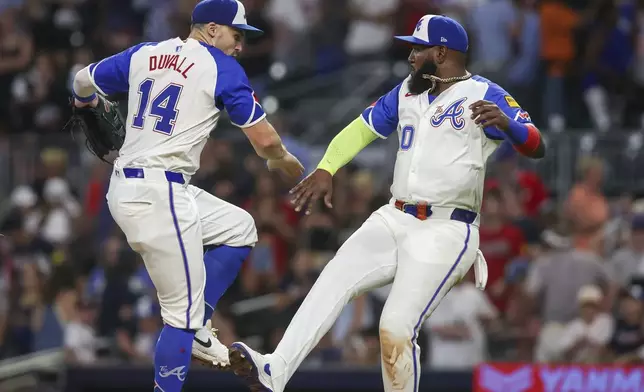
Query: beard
[[420, 80]]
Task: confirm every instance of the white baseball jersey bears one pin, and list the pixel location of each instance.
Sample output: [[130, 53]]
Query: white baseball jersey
[[176, 91], [442, 153]]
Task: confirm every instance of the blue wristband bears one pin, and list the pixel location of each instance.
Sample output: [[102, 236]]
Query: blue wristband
[[517, 132], [84, 99]]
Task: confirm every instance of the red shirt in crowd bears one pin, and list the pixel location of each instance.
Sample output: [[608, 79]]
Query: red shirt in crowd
[[280, 245], [94, 198], [499, 246], [533, 191]]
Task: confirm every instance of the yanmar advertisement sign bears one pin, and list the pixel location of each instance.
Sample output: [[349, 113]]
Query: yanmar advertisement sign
[[557, 378]]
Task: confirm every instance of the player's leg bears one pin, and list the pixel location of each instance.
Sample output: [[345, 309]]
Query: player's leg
[[161, 223], [365, 261], [432, 256], [228, 236]]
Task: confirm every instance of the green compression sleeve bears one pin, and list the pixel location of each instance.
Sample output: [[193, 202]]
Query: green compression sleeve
[[346, 145]]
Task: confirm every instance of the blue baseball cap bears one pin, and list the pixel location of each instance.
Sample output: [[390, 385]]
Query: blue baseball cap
[[438, 30], [224, 12]]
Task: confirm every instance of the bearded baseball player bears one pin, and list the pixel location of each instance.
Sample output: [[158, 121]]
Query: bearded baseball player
[[424, 241], [192, 243]]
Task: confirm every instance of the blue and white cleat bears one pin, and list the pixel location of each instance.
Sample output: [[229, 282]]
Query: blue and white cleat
[[252, 366]]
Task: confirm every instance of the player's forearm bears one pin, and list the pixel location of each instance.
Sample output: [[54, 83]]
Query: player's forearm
[[526, 139], [272, 151], [346, 145], [265, 140], [82, 87]]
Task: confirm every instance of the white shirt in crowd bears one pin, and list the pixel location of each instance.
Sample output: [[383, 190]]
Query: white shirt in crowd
[[297, 15], [465, 305], [367, 36], [598, 332], [81, 340]]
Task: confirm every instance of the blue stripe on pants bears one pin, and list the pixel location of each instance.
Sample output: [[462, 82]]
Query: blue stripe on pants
[[183, 254], [431, 301]]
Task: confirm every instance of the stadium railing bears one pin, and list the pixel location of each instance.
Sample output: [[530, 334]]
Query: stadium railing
[[40, 371]]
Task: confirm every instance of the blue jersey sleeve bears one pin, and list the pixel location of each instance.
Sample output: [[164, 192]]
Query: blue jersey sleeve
[[382, 116], [112, 74], [233, 91], [509, 106]]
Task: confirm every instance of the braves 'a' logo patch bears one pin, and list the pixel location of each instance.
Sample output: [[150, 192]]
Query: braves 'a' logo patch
[[453, 112]]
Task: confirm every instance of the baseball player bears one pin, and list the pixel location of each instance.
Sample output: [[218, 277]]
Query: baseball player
[[177, 90], [426, 239]]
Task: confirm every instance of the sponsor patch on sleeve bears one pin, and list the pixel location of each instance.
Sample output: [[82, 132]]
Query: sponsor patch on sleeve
[[511, 102]]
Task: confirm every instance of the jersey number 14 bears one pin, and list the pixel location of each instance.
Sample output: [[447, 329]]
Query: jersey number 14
[[163, 107]]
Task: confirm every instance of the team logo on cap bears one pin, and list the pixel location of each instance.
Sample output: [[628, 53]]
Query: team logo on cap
[[419, 24]]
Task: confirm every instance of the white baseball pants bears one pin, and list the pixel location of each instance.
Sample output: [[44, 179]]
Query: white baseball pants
[[423, 259], [168, 223]]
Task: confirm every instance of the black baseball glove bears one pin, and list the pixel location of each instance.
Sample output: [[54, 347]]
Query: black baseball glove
[[103, 126]]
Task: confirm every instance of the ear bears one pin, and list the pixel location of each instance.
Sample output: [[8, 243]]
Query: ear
[[440, 54], [212, 29]]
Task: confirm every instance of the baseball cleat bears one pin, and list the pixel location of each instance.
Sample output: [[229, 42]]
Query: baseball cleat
[[252, 367], [208, 350]]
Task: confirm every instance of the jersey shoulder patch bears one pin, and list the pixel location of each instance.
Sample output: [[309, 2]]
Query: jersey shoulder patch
[[512, 102]]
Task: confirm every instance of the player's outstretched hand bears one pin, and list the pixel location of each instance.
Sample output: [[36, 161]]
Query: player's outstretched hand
[[489, 114], [309, 190], [289, 165]]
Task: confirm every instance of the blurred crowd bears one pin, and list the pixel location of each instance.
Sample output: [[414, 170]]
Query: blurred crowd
[[571, 63], [566, 279]]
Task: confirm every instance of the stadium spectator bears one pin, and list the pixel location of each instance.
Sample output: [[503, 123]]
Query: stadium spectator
[[81, 342], [500, 242], [328, 34], [59, 307], [459, 10], [258, 51], [558, 276], [523, 70], [457, 328], [292, 21], [558, 24], [148, 315], [492, 21], [515, 338], [16, 51], [364, 349], [627, 342], [628, 262], [584, 338], [552, 286], [523, 190], [371, 28], [608, 56], [586, 208]]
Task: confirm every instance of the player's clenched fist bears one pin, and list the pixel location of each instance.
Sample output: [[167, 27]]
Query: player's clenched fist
[[489, 114], [308, 191], [288, 164]]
